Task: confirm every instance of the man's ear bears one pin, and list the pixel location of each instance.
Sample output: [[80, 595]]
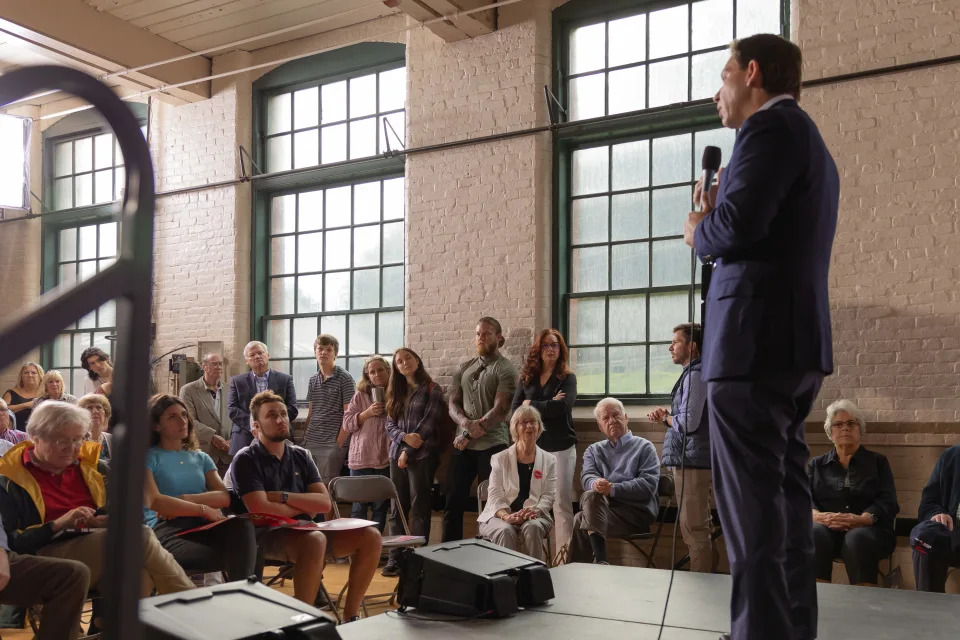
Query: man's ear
[[754, 76], [500, 341]]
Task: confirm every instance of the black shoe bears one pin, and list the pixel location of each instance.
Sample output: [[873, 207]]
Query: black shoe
[[725, 636], [391, 570]]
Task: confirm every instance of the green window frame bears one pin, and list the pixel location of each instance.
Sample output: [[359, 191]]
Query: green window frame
[[624, 172]]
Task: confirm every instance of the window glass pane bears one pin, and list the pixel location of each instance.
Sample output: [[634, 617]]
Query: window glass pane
[[306, 108], [366, 202], [393, 242], [334, 106], [283, 255], [63, 159], [663, 373], [670, 207], [393, 89], [108, 239], [586, 97], [310, 294], [672, 159], [668, 82], [304, 333], [107, 315], [278, 153], [628, 38], [86, 270], [119, 183], [363, 138], [278, 338], [589, 220], [362, 339], [391, 331], [88, 242], [303, 370], [395, 132], [68, 245], [81, 341], [630, 216], [705, 74], [723, 138], [628, 319], [590, 170], [366, 246], [393, 287], [336, 326], [333, 144], [103, 264], [671, 263], [280, 365], [363, 96], [393, 199], [338, 249], [282, 214], [82, 155], [83, 185], [278, 113], [63, 193], [631, 167], [310, 210], [587, 48], [757, 16], [338, 207], [103, 151], [626, 369], [103, 186], [306, 148], [67, 273], [88, 321], [310, 254], [366, 289], [337, 291], [713, 23], [668, 32], [629, 265], [667, 310], [281, 296], [587, 317], [61, 351], [589, 269], [589, 365], [627, 90], [78, 377]]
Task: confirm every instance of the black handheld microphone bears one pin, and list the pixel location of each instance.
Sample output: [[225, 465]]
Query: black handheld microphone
[[711, 165]]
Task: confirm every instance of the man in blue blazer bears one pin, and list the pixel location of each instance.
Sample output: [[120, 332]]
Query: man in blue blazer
[[246, 385], [767, 339]]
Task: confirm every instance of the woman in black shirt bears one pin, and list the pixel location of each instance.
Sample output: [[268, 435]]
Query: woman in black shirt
[[854, 500], [547, 384]]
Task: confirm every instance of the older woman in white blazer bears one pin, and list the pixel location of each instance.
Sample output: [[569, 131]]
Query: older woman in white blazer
[[522, 488]]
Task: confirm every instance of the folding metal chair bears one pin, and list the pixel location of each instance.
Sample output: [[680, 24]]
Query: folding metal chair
[[482, 490], [666, 489], [285, 572], [373, 489]]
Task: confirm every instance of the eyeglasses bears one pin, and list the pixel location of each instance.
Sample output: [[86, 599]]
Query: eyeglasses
[[527, 423], [849, 425], [215, 365], [64, 443], [550, 346]]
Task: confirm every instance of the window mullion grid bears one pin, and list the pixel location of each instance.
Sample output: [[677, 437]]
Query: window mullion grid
[[606, 304], [690, 52]]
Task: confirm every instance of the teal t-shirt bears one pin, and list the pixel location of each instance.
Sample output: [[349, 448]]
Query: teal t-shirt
[[177, 473]]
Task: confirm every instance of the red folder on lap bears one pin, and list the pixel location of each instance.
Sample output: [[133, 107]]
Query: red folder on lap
[[281, 522]]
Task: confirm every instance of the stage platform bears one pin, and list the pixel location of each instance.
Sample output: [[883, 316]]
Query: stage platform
[[595, 601]]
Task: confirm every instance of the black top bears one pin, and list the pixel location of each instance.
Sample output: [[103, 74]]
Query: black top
[[525, 470], [865, 486], [942, 493], [256, 469], [558, 433], [24, 414]]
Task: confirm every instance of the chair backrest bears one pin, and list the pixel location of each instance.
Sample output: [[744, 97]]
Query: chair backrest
[[482, 494], [362, 489]]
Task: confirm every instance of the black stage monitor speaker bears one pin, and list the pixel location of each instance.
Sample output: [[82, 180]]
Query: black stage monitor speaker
[[472, 578], [239, 610]]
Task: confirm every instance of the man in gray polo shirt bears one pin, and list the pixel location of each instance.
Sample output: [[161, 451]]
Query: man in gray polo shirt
[[480, 399]]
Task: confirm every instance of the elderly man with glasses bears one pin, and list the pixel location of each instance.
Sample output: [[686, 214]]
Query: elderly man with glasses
[[207, 404], [854, 500]]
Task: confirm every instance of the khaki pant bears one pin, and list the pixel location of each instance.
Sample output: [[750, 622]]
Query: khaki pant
[[160, 570], [59, 585], [695, 520], [527, 538]]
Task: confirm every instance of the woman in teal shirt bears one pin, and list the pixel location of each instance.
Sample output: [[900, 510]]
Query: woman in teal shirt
[[183, 491]]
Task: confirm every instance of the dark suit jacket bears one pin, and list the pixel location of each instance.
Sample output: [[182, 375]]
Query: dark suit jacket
[[771, 235], [242, 390]]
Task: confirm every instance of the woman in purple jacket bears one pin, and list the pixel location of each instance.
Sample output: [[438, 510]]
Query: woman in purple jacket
[[415, 409], [365, 420]]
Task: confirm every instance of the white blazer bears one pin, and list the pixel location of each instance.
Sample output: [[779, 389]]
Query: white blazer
[[504, 486]]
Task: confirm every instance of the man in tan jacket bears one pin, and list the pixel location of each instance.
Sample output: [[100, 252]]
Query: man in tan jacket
[[206, 401]]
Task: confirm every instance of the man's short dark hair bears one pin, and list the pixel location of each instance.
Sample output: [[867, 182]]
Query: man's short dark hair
[[327, 340], [779, 60], [693, 332], [262, 398], [493, 322]]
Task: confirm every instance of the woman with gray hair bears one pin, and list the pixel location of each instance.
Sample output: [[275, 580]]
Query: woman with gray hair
[[854, 500], [522, 488], [53, 499]]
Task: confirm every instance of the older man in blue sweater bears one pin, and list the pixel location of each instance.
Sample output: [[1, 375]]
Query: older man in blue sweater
[[619, 479]]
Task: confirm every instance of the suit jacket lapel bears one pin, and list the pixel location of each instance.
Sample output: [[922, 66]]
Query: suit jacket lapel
[[513, 476], [536, 484]]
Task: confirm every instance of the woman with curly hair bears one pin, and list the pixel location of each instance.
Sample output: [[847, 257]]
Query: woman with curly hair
[[547, 384]]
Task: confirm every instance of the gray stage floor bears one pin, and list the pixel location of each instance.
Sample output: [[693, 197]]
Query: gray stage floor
[[595, 601]]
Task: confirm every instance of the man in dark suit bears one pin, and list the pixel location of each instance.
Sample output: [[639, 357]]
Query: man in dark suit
[[246, 385], [767, 339]]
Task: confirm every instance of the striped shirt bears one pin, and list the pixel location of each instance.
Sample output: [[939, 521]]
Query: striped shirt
[[326, 398], [13, 436]]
